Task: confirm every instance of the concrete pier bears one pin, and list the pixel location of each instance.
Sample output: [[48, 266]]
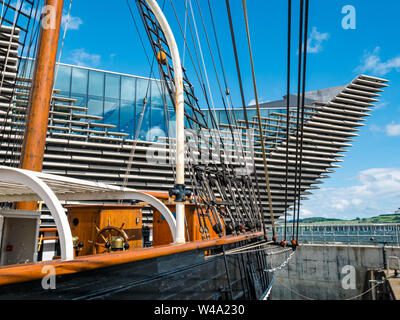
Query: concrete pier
[[329, 272]]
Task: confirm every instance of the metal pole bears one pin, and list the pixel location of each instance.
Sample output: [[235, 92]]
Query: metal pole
[[180, 115]]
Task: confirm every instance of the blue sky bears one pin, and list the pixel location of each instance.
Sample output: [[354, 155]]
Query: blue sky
[[368, 183]]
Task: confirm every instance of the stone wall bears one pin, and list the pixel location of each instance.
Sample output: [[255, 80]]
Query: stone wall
[[317, 271]]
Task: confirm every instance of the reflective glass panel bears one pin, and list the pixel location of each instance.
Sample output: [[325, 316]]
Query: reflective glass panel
[[95, 106], [222, 117], [79, 81], [112, 86], [142, 90], [96, 83], [81, 100], [63, 81], [239, 114], [251, 114], [127, 118], [128, 88], [157, 123], [170, 125], [111, 113], [156, 93]]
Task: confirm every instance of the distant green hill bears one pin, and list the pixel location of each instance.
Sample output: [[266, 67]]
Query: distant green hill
[[384, 218]]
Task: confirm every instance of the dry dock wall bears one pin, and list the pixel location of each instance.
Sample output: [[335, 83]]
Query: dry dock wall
[[327, 272]]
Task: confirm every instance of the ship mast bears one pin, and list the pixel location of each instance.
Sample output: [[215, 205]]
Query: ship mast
[[180, 120], [33, 146]]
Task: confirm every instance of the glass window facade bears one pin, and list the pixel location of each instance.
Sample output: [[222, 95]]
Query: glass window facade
[[118, 99]]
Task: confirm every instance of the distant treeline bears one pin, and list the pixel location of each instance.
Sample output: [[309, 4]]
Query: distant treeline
[[384, 218]]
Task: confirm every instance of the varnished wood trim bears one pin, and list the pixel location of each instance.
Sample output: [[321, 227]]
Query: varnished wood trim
[[30, 272]]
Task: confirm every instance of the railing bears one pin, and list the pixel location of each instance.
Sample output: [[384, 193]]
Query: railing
[[362, 234]]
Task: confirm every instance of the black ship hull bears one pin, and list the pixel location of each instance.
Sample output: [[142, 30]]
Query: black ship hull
[[193, 275]]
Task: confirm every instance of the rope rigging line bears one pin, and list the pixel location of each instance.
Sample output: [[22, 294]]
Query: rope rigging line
[[259, 122], [216, 126], [62, 42], [248, 184], [281, 266], [302, 112], [141, 6], [184, 46], [300, 106], [288, 112], [201, 55], [243, 98], [15, 117], [237, 206], [348, 299], [145, 103]]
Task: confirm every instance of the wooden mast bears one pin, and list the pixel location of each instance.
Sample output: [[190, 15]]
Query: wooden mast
[[33, 146]]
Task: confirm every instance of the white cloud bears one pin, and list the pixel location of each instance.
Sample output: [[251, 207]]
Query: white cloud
[[82, 58], [393, 129], [372, 62], [375, 128], [305, 213], [314, 43], [341, 204], [381, 105], [73, 23], [377, 191]]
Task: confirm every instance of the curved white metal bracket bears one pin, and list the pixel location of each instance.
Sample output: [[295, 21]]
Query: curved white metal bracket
[[47, 195], [43, 191]]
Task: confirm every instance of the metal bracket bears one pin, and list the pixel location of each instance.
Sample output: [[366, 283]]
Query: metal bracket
[[180, 193]]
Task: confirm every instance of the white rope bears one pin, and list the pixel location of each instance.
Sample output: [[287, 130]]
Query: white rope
[[278, 252], [63, 41], [309, 298], [184, 36], [202, 58], [282, 265], [249, 246]]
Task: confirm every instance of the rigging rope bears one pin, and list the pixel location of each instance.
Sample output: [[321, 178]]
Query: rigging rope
[[348, 299], [213, 119], [259, 122], [302, 112], [288, 112], [15, 117], [243, 98], [281, 266], [62, 43], [300, 115], [145, 102], [202, 57], [237, 144]]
